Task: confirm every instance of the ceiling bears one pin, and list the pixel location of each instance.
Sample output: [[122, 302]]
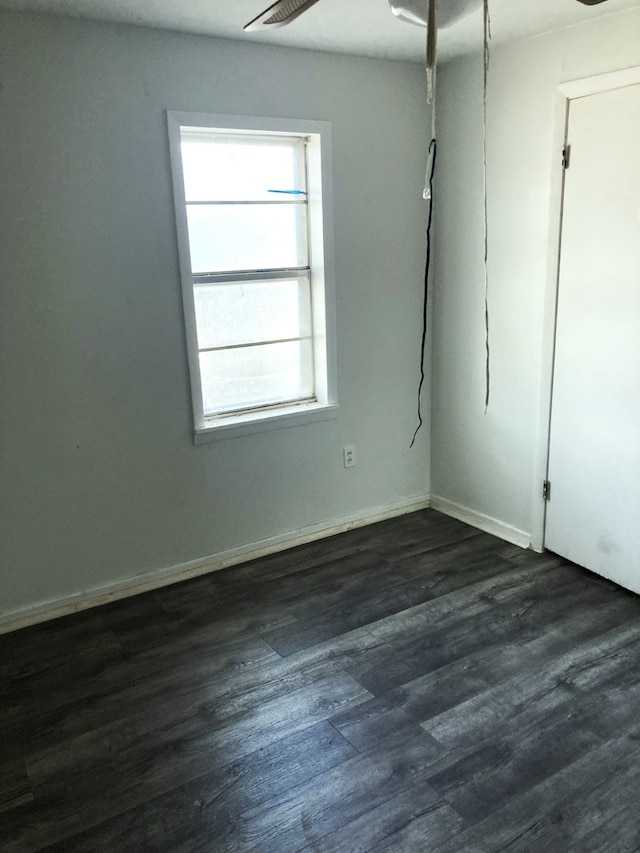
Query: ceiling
[[363, 27]]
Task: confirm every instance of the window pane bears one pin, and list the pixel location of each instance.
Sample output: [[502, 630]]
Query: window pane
[[256, 376], [236, 168], [247, 237], [230, 313]]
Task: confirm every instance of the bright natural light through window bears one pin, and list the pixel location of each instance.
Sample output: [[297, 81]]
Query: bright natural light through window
[[252, 237]]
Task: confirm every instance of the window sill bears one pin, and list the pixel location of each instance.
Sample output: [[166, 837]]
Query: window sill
[[253, 423]]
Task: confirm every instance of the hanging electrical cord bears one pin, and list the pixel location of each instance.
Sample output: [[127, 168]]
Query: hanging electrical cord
[[427, 194], [486, 60], [433, 149]]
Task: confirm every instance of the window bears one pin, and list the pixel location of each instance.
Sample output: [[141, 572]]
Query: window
[[255, 259]]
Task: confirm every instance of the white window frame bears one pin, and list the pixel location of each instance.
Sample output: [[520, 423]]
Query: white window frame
[[325, 405]]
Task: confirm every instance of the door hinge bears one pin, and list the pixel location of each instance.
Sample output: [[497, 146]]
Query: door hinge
[[566, 156], [546, 490]]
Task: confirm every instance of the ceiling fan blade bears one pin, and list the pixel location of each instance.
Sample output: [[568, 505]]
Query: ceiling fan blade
[[590, 2], [280, 14]]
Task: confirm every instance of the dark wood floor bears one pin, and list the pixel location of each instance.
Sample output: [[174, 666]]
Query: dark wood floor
[[411, 686]]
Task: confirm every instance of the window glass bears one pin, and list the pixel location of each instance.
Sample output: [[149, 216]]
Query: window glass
[[236, 379], [232, 313], [226, 238], [240, 168]]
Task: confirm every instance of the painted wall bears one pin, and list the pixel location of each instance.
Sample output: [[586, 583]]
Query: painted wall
[[487, 463], [100, 480]]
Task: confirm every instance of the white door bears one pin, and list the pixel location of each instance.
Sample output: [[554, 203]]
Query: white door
[[593, 514]]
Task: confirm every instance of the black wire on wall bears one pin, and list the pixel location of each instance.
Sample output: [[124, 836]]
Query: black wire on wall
[[433, 150]]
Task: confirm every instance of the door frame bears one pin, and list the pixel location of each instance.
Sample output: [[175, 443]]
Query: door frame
[[564, 94]]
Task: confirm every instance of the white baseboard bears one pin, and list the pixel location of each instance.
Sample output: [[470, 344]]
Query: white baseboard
[[482, 521], [204, 565]]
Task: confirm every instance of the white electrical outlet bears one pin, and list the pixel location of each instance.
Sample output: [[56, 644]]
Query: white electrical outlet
[[349, 455]]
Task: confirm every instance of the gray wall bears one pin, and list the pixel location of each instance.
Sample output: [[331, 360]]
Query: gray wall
[[100, 480], [487, 463]]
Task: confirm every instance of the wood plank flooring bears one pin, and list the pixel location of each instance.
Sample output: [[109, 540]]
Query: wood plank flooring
[[411, 686]]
